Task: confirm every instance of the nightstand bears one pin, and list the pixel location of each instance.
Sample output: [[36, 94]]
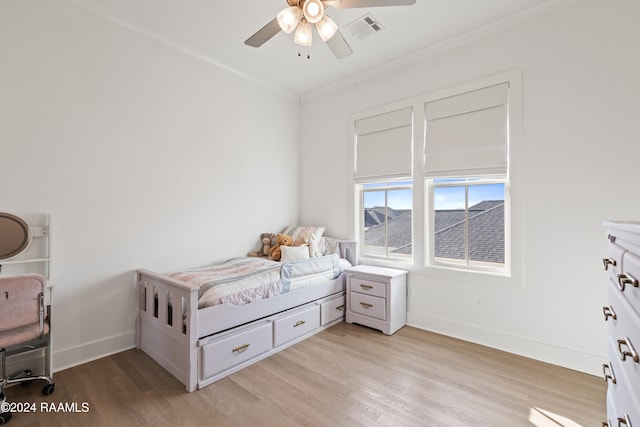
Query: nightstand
[[377, 297]]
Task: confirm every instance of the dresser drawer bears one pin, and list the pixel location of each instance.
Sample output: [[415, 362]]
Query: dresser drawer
[[368, 305], [613, 263], [332, 310], [623, 321], [622, 391], [629, 278], [367, 286], [626, 327], [232, 349], [296, 324]]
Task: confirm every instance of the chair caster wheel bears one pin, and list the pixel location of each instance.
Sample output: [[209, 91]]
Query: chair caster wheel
[[48, 389], [5, 417]]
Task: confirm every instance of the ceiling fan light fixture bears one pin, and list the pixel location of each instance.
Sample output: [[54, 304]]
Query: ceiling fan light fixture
[[289, 18], [326, 28], [313, 10], [303, 34]]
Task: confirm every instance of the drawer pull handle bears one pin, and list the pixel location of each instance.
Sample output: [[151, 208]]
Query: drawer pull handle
[[299, 323], [366, 287], [608, 312], [241, 349], [624, 421], [626, 279], [340, 307], [606, 423], [631, 352], [607, 262], [607, 371], [365, 305]]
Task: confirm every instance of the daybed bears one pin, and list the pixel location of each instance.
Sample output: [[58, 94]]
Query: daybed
[[202, 340]]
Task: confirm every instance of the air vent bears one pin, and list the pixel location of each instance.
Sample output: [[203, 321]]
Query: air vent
[[364, 27]]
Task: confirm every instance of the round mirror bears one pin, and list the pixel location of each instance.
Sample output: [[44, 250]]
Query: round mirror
[[15, 235]]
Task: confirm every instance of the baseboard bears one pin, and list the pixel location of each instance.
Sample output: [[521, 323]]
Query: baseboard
[[545, 352], [79, 354]]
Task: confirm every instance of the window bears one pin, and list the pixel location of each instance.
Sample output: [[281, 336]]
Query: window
[[384, 191], [468, 226], [467, 137], [386, 218], [449, 152]]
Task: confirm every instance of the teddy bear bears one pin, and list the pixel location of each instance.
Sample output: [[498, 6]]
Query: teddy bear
[[275, 253], [268, 241]]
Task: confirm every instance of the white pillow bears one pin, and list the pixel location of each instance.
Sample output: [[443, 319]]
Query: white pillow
[[292, 253]]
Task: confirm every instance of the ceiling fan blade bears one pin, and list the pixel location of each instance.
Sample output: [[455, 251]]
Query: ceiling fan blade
[[348, 4], [264, 34], [339, 45]]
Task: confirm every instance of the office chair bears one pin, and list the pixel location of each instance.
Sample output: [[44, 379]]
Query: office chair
[[24, 326]]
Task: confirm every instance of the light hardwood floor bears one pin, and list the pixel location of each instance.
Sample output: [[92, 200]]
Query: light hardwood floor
[[348, 375]]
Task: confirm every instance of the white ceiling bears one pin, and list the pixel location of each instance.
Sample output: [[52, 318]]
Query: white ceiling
[[215, 30]]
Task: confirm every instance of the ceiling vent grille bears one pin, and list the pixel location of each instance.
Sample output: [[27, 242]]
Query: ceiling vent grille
[[364, 27]]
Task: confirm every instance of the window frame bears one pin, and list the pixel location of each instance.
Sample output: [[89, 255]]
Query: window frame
[[421, 216], [467, 264], [386, 185]]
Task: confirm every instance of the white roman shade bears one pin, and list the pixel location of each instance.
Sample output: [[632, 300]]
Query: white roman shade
[[384, 145], [467, 134]]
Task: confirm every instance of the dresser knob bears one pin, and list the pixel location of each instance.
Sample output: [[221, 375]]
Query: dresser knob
[[629, 352], [626, 279], [608, 312], [607, 371], [607, 262]]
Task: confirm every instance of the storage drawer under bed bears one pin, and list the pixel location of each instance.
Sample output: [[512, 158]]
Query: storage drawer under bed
[[232, 349], [331, 310], [296, 324]]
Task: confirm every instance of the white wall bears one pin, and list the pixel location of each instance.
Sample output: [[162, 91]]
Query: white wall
[[143, 155], [577, 167]]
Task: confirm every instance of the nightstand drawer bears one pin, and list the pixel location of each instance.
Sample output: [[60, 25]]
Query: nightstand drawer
[[367, 286], [368, 305]]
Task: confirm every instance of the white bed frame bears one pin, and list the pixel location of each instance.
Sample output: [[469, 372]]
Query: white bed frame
[[201, 346]]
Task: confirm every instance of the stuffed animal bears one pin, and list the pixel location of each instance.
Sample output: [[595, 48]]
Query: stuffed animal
[[268, 241], [310, 239], [281, 240]]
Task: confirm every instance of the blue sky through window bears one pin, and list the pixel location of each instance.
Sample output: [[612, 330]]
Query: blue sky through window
[[397, 198], [447, 198]]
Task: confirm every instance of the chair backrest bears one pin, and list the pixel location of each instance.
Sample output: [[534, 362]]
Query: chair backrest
[[20, 300]]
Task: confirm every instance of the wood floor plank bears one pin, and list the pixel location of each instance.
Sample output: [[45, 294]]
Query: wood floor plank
[[348, 375]]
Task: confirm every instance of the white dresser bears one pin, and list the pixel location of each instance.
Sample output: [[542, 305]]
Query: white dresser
[[377, 297], [622, 314]]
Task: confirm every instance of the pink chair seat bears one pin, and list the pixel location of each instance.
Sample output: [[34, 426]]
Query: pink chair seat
[[22, 334]]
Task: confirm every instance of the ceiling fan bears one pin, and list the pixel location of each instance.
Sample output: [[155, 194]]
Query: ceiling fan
[[300, 14]]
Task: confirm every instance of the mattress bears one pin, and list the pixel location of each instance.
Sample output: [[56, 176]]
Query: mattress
[[240, 281]]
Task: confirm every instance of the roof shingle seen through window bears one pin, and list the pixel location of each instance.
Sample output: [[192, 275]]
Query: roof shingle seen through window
[[486, 231]]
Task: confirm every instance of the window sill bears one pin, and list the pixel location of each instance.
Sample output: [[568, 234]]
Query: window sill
[[403, 264]]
